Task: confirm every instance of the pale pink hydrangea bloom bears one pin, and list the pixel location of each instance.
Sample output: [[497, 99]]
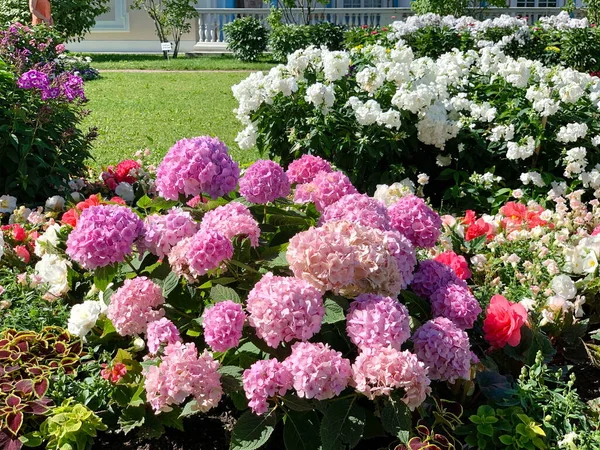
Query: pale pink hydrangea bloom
[[305, 169], [457, 303], [104, 235], [161, 332], [374, 321], [415, 220], [163, 232], [263, 380], [324, 190], [195, 166], [223, 324], [404, 252], [206, 251], [445, 350], [317, 370], [348, 259], [358, 208], [183, 373], [432, 275], [379, 371], [263, 182], [232, 219], [133, 305], [284, 308], [179, 262]]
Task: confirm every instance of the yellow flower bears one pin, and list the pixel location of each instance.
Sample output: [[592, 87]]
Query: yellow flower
[[552, 48]]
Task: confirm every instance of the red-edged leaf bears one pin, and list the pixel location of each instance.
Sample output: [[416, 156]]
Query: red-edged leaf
[[12, 400], [40, 387], [6, 387], [14, 422], [38, 407], [3, 342], [8, 442], [11, 369], [60, 348], [35, 370], [4, 354], [23, 346], [24, 386]]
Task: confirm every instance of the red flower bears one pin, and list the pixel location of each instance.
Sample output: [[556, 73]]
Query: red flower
[[92, 200], [70, 217], [114, 373], [479, 228], [22, 253], [469, 218], [19, 233], [123, 169], [596, 231], [118, 200], [503, 322], [457, 263]]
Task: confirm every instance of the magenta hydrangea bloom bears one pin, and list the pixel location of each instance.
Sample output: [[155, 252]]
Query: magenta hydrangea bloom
[[104, 235], [264, 181], [133, 305], [432, 275], [324, 190], [232, 219], [162, 233], [379, 371], [457, 303], [375, 321], [346, 258], [161, 332], [206, 251], [223, 324], [415, 220], [404, 252], [317, 370], [183, 373], [358, 208], [33, 79], [284, 308], [263, 380], [305, 169], [445, 350], [200, 165]]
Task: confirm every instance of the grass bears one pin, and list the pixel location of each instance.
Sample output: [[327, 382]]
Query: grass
[[157, 62], [134, 111]]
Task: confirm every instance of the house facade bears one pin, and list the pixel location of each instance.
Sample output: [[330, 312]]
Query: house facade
[[125, 30]]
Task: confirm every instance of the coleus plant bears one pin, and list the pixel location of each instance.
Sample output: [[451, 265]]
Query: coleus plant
[[27, 360]]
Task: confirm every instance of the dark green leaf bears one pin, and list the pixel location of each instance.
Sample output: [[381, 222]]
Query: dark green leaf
[[395, 416], [299, 431], [220, 293], [343, 425], [252, 431]]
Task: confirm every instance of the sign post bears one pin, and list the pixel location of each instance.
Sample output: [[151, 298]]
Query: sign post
[[166, 47]]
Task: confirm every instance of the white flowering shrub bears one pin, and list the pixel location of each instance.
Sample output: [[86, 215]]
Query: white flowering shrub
[[472, 121]]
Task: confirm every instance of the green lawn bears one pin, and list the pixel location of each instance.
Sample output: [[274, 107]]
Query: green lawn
[[157, 62], [153, 110]]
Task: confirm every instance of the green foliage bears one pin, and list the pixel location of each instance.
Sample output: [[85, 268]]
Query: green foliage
[[286, 39], [70, 426], [454, 7], [592, 10], [246, 37], [73, 19], [579, 49]]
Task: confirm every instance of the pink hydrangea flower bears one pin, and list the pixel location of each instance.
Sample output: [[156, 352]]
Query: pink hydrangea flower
[[324, 190], [206, 251], [104, 235], [284, 308], [445, 350], [374, 321], [456, 262], [200, 165], [183, 373], [457, 303], [263, 380], [264, 181], [133, 305], [404, 252], [317, 370], [232, 219], [378, 371], [178, 260], [223, 324], [161, 332], [415, 220], [162, 233], [432, 275], [305, 169], [348, 259], [358, 208]]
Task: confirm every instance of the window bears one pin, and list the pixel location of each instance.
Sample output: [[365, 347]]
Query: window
[[363, 3], [536, 3]]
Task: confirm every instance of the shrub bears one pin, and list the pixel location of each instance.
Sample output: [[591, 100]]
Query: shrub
[[286, 39], [246, 37], [579, 48]]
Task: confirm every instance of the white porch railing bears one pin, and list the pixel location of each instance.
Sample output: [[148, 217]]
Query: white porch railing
[[211, 21]]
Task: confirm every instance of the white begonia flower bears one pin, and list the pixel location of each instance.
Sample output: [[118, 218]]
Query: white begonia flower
[[125, 191], [19, 215], [8, 203], [76, 196], [565, 287], [517, 193], [55, 203], [48, 242], [422, 179], [389, 195], [84, 316], [53, 271]]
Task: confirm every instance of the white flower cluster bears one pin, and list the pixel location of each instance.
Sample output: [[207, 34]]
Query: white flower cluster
[[572, 132], [485, 180]]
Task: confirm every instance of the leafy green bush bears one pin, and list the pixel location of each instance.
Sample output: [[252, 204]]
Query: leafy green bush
[[286, 39], [327, 34], [246, 37], [580, 49]]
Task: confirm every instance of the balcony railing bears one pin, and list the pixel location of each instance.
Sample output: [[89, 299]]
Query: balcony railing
[[212, 20]]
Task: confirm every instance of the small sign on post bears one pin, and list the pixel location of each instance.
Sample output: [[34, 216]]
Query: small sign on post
[[166, 47]]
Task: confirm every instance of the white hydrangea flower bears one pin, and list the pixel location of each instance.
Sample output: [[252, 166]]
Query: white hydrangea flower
[[84, 316]]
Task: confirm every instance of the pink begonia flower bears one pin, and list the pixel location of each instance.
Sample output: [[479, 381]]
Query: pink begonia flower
[[458, 263], [503, 322]]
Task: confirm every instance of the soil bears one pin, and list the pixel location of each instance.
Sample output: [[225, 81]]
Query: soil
[[587, 382]]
